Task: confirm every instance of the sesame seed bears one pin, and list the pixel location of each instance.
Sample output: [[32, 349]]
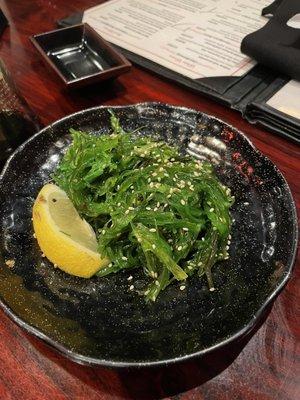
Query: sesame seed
[[229, 237], [161, 169], [34, 235], [103, 232], [147, 292], [170, 240], [148, 208], [176, 176], [149, 180], [211, 209], [131, 287], [212, 289], [55, 265], [131, 187], [179, 248], [169, 196], [152, 230], [127, 212], [155, 209], [166, 175], [174, 179], [203, 239], [172, 159], [139, 240], [156, 283], [119, 204], [200, 264], [43, 255], [143, 155], [130, 278], [155, 274], [182, 202], [159, 160], [182, 287], [214, 228], [154, 174], [110, 265], [227, 247], [166, 205], [196, 173], [151, 184], [159, 179], [185, 229], [190, 267], [158, 204], [124, 258], [189, 183]]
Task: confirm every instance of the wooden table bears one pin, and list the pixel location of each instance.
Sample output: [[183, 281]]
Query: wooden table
[[265, 366]]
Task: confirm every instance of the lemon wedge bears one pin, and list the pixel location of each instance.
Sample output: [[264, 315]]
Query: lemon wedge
[[66, 239]]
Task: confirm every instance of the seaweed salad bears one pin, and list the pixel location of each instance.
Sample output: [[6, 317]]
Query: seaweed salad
[[150, 206]]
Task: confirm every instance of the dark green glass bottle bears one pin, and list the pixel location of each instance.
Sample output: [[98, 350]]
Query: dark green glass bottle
[[17, 121]]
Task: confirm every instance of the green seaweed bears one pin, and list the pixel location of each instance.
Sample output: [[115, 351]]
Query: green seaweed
[[150, 206]]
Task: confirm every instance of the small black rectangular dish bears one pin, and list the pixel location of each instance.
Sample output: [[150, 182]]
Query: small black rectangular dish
[[79, 55]]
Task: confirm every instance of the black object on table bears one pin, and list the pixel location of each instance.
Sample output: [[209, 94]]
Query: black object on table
[[277, 44], [80, 56], [3, 22], [17, 120]]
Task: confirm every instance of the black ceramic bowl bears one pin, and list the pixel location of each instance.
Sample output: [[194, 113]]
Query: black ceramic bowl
[[99, 321]]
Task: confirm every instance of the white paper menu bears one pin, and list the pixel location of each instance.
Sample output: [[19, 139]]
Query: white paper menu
[[196, 38]]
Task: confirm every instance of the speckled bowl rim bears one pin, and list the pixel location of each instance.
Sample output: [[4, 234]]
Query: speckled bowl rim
[[81, 359]]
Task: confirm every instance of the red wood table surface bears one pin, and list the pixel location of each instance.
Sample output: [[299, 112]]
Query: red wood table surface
[[265, 366]]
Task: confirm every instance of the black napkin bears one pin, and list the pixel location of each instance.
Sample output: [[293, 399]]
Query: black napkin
[[277, 45]]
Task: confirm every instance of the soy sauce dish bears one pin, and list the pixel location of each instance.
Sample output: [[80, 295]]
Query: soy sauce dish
[[98, 320], [80, 56]]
